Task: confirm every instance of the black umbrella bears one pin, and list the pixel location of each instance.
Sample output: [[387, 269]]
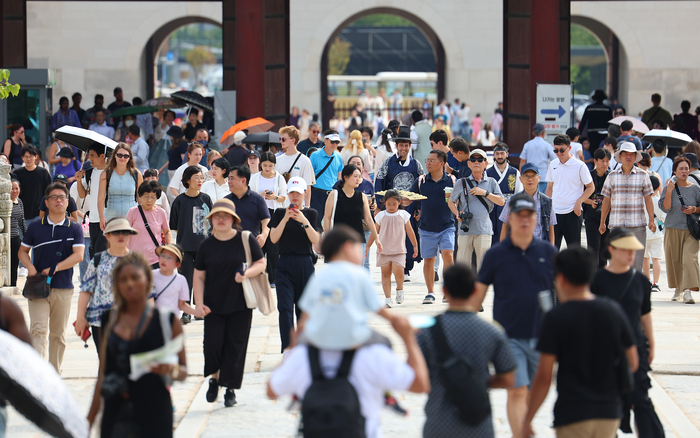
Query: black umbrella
[[262, 138], [83, 138], [193, 98]]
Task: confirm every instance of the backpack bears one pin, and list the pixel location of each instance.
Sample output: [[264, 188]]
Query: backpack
[[331, 407], [465, 389], [134, 174]]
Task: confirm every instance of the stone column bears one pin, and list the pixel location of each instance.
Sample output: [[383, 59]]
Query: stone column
[[5, 212]]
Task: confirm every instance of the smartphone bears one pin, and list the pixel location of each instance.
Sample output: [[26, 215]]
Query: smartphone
[[294, 206], [545, 299], [241, 269], [674, 179]]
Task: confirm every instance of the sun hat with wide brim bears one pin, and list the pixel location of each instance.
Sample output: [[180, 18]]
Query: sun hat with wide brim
[[172, 248], [119, 224], [628, 147], [622, 238], [224, 206]]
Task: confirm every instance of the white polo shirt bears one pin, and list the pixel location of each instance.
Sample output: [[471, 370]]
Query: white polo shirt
[[569, 180]]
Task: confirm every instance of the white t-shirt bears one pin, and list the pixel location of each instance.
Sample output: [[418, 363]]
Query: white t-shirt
[[164, 203], [265, 184], [302, 168], [94, 188], [575, 149], [375, 369], [569, 180], [177, 290], [176, 180], [214, 190]]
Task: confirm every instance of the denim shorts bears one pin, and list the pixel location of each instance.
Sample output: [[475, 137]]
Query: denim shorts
[[527, 358], [430, 242]]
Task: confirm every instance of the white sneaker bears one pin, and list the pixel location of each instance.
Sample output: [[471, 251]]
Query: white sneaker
[[399, 296], [388, 302], [677, 295], [23, 272], [688, 298]]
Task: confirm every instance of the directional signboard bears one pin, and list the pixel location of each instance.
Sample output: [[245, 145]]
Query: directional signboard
[[554, 103]]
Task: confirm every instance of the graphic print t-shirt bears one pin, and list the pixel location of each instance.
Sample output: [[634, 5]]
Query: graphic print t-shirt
[[188, 216]]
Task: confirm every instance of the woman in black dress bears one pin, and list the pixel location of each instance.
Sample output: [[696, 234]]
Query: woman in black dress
[[219, 270], [140, 408]]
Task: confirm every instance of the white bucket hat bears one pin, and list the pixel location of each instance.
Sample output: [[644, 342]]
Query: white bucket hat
[[628, 147]]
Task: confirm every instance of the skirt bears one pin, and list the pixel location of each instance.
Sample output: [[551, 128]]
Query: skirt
[[386, 259]]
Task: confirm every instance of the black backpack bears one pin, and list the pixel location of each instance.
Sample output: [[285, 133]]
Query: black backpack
[[331, 407], [464, 388]]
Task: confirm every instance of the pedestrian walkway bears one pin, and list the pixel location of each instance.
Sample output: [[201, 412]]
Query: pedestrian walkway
[[675, 392]]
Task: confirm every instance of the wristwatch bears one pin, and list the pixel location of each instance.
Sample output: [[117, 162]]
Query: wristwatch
[[487, 194], [305, 226]]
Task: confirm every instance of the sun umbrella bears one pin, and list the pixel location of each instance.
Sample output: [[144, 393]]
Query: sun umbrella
[[262, 138], [257, 124], [83, 138], [637, 125], [192, 98], [36, 390], [671, 138], [133, 110], [161, 103]]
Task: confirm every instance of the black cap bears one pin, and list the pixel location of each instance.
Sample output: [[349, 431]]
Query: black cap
[[521, 201], [175, 132], [61, 178], [693, 160]]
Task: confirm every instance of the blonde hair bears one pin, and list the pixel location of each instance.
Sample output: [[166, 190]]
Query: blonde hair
[[355, 145], [291, 131], [213, 155]]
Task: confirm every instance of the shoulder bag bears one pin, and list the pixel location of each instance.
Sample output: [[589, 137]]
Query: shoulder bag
[[256, 290], [287, 174], [325, 167], [38, 286], [148, 228], [466, 193], [693, 220]]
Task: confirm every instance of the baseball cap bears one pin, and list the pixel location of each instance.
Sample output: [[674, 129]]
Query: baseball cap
[[296, 184], [238, 138], [538, 128], [521, 201], [479, 152], [529, 166], [61, 178]]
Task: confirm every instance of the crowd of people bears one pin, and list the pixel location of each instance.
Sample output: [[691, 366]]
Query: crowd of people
[[153, 258]]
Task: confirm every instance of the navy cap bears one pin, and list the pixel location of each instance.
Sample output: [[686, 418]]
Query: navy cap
[[529, 166], [521, 201], [538, 128], [61, 178]]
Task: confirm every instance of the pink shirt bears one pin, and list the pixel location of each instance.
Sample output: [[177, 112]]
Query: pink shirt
[[142, 242]]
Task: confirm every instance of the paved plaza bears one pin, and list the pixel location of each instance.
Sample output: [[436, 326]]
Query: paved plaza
[[675, 392]]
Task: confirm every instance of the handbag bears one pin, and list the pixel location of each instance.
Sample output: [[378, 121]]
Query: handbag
[[37, 287], [693, 220], [256, 290]]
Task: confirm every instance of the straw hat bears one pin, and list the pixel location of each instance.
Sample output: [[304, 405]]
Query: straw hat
[[225, 206], [119, 224], [172, 248]]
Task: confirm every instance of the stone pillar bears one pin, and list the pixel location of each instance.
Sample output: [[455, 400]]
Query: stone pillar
[[5, 212]]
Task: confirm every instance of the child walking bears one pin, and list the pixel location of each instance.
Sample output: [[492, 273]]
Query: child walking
[[654, 248], [393, 227], [170, 289]]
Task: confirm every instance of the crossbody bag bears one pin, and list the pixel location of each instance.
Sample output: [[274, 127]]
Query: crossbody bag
[[148, 228], [325, 167], [479, 197], [287, 174], [692, 220]]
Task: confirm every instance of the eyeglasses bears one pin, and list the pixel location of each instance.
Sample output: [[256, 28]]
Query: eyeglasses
[[530, 176], [560, 151], [477, 159], [167, 257], [58, 198], [315, 132], [431, 160], [123, 156], [149, 198]]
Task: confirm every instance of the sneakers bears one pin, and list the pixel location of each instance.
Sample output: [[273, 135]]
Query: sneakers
[[399, 296], [437, 277], [185, 318], [677, 295], [688, 298], [429, 299], [655, 288], [229, 398], [213, 390], [23, 272], [388, 302]]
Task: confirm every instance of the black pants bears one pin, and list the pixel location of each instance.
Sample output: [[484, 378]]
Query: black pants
[[95, 234], [97, 336], [187, 269], [597, 243], [645, 417], [410, 261], [225, 345], [569, 227], [15, 244], [273, 254], [318, 201], [293, 272]]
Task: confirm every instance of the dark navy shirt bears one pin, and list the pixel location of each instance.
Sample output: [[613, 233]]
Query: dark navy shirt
[[252, 209], [517, 277], [435, 214], [366, 187], [53, 243]]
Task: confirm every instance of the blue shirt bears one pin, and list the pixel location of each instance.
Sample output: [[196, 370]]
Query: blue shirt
[[538, 152], [517, 277], [252, 209], [319, 159], [53, 243], [436, 216], [632, 139]]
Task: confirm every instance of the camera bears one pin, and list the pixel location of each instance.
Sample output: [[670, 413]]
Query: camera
[[114, 385], [466, 219]]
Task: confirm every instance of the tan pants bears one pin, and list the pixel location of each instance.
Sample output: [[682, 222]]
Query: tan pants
[[466, 245], [597, 428], [49, 317], [681, 252]]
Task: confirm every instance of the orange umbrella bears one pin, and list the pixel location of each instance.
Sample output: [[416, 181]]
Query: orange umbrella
[[257, 124]]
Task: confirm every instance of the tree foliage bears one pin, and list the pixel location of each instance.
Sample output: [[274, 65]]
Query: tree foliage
[[198, 57], [6, 88], [382, 20], [580, 36], [338, 57]]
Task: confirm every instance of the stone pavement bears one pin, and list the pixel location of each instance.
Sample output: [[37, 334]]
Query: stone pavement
[[675, 390]]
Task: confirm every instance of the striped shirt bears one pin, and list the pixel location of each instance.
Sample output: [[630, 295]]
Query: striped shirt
[[626, 193]]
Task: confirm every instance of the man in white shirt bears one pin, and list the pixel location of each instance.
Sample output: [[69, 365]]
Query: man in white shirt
[[139, 148], [88, 182], [294, 162], [570, 184], [100, 126]]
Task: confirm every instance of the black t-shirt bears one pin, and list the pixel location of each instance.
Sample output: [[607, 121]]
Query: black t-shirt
[[190, 131], [175, 155], [636, 301], [69, 211], [237, 155], [188, 217], [294, 239], [33, 186], [220, 260], [588, 211], [585, 336]]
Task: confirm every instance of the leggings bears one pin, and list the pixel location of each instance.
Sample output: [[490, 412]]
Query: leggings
[[187, 269], [15, 244]]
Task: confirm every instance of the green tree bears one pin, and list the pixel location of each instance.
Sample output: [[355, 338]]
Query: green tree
[[6, 88], [198, 57], [382, 20], [338, 57]]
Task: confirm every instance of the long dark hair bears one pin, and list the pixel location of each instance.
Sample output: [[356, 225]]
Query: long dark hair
[[348, 170]]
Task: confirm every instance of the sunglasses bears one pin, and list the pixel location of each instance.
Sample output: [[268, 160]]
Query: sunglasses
[[335, 142], [124, 156], [618, 113], [477, 159], [559, 151], [120, 233]]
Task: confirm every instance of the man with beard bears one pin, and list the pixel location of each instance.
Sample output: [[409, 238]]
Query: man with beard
[[508, 179]]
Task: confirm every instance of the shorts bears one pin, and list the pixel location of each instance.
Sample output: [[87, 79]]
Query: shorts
[[431, 241], [654, 248], [527, 359], [386, 259]]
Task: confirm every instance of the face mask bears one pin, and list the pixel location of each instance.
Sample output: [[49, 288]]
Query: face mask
[[128, 123], [203, 142]]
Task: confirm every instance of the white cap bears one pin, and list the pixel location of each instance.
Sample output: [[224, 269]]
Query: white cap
[[296, 184], [238, 137], [332, 137]]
